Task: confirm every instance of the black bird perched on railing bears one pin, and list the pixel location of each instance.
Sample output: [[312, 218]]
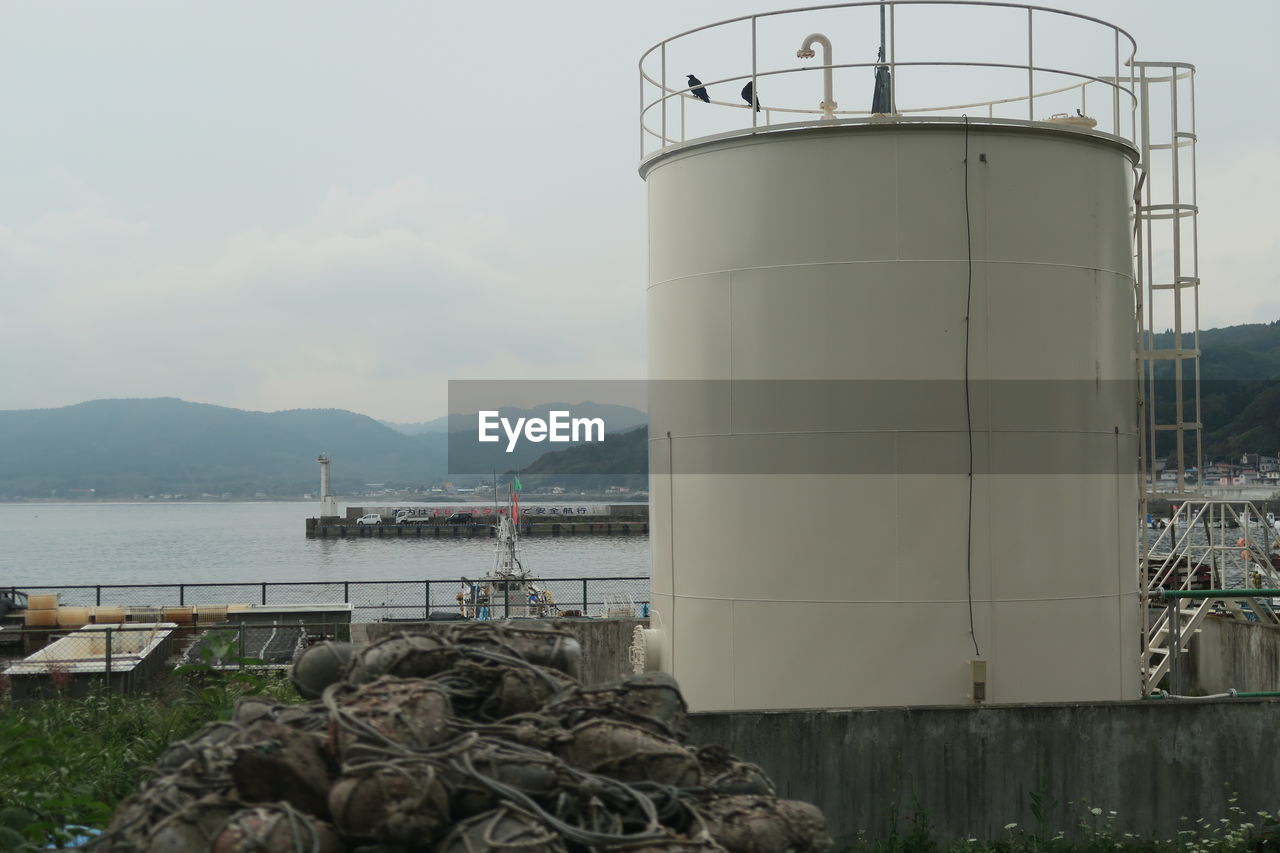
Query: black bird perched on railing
[[747, 95], [699, 92]]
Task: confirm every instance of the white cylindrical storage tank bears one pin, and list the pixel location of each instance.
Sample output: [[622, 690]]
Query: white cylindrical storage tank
[[817, 540]]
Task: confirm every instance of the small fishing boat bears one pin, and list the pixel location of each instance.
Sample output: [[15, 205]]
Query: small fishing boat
[[506, 591]]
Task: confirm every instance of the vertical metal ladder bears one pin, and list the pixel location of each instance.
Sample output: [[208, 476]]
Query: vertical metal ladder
[[1167, 267]]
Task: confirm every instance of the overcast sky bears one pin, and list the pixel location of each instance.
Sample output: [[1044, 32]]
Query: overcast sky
[[276, 205]]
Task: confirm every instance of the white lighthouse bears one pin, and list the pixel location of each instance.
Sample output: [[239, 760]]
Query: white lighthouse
[[328, 503]]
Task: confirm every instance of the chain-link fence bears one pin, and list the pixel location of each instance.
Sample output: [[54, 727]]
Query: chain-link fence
[[374, 601], [121, 657], [125, 657]]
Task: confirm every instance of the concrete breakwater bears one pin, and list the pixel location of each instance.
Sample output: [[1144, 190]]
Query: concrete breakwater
[[320, 528], [535, 520]]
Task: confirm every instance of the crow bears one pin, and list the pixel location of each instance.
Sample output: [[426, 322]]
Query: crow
[[746, 96], [698, 92]]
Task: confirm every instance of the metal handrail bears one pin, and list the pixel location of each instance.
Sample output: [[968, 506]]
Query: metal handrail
[[1164, 635], [657, 77], [386, 596], [21, 587], [686, 92], [1219, 593]]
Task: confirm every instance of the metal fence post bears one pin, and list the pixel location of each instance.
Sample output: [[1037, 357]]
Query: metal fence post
[[1175, 646], [241, 655], [106, 657], [98, 600], [584, 596], [346, 592], [506, 599], [264, 594], [426, 607], [182, 594]]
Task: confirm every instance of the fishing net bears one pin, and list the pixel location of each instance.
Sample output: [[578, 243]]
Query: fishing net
[[749, 824], [472, 738], [319, 666], [396, 801], [276, 763], [395, 713], [424, 654], [723, 773], [650, 700], [275, 829], [629, 753], [193, 827], [505, 829], [250, 709], [196, 746], [665, 845], [520, 690]]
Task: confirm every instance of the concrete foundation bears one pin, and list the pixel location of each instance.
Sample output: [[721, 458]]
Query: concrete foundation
[[969, 771], [1229, 654]]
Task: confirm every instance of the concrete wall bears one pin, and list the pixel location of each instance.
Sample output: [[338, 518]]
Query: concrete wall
[[1227, 654], [605, 642], [971, 770]]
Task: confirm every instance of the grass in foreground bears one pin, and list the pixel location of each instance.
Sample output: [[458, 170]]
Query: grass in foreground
[[1096, 832], [68, 762]]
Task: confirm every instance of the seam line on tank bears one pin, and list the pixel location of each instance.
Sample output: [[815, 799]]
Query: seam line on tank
[[1103, 597], [731, 270], [895, 431]]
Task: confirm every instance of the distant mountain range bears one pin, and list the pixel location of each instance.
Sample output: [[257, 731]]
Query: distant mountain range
[[129, 448], [622, 461], [1240, 402], [1234, 353], [440, 424], [1239, 389], [166, 446]]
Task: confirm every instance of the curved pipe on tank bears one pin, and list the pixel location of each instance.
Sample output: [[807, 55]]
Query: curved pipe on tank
[[828, 104]]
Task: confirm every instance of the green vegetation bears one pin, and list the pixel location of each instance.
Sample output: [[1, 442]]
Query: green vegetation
[[128, 448], [1239, 390], [623, 460], [68, 762], [1234, 353], [1096, 831], [125, 448]]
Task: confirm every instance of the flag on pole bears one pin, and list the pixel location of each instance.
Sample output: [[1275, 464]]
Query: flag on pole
[[515, 483], [882, 95]]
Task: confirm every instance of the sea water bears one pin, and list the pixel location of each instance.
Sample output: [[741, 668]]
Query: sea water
[[168, 543]]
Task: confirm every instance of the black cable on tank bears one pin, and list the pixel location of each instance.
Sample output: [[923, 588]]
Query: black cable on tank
[[968, 409]]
